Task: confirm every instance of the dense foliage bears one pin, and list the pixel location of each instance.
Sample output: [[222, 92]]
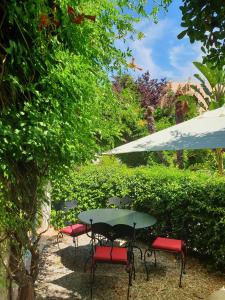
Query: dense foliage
[[204, 21], [57, 107], [151, 90], [151, 93], [131, 113], [189, 204], [212, 81]]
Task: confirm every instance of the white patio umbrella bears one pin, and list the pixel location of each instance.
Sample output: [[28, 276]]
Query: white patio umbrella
[[206, 131]]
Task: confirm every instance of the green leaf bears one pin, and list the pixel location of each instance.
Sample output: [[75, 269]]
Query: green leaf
[[182, 34]]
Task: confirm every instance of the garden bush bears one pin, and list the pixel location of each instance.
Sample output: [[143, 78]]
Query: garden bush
[[184, 202]]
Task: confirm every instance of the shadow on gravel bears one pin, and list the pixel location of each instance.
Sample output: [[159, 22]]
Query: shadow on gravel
[[109, 279], [74, 259]]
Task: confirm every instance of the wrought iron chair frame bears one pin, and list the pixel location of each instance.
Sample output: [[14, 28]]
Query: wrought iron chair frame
[[115, 201], [111, 233], [70, 204], [126, 203], [182, 254]]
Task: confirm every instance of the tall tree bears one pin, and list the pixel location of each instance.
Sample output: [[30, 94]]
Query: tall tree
[[179, 100], [152, 92], [131, 114]]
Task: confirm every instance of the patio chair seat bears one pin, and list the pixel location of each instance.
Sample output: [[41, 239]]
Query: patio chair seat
[[115, 254], [112, 254], [74, 230], [168, 244]]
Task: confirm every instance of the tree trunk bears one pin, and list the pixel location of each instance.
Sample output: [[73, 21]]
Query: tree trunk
[[22, 190], [180, 159], [219, 158], [26, 292], [10, 289], [22, 275], [179, 119], [151, 128]]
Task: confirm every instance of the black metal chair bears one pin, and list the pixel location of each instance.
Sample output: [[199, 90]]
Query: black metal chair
[[167, 244], [110, 253], [113, 202], [71, 229], [126, 202]]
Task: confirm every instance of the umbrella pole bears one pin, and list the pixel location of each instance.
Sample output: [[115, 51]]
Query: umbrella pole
[[219, 158]]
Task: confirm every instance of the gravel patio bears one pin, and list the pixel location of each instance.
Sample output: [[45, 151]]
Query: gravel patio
[[62, 276]]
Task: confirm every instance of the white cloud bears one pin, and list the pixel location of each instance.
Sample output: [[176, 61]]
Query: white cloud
[[143, 50], [154, 32], [181, 58], [144, 57], [162, 54]]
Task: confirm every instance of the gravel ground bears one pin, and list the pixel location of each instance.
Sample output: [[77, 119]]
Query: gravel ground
[[62, 276]]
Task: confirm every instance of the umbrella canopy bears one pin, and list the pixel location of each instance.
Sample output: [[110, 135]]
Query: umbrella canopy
[[205, 131]]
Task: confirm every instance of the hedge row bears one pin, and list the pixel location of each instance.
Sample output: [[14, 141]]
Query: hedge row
[[182, 201]]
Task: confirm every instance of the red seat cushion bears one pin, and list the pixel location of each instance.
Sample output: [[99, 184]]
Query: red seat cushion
[[168, 244], [103, 253], [74, 230]]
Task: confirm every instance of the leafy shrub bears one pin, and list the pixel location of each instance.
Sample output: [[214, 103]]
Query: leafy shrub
[[184, 202]]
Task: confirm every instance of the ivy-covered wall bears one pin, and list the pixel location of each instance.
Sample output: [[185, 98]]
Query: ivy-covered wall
[[187, 203]]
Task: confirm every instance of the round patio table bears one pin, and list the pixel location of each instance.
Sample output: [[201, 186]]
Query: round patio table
[[114, 216]]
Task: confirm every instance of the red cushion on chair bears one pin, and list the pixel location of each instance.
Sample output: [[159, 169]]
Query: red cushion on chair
[[74, 230], [168, 244], [103, 253]]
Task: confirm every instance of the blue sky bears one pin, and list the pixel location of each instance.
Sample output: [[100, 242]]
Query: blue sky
[[161, 52]]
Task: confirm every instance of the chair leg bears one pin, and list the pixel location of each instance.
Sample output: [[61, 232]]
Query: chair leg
[[148, 252], [92, 278], [130, 276], [75, 241], [59, 235], [134, 271], [185, 257], [182, 268], [154, 252], [86, 262], [128, 292], [136, 247]]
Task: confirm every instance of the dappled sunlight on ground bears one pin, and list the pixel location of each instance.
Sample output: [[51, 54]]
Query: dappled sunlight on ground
[[62, 276]]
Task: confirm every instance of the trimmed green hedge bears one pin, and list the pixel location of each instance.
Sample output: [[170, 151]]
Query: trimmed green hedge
[[182, 201]]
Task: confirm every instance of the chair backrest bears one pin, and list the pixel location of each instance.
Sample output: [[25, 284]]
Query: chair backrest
[[113, 232], [126, 202], [65, 205], [125, 232], [70, 204], [166, 230], [58, 205], [113, 201], [102, 229]]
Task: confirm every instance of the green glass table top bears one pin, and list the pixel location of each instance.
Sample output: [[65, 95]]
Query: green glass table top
[[113, 216]]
